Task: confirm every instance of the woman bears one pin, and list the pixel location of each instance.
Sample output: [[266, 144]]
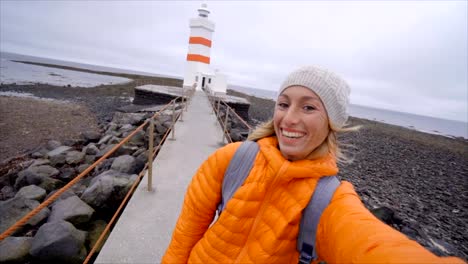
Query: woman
[[260, 223]]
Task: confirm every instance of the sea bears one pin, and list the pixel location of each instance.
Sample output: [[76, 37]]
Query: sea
[[427, 124], [449, 128]]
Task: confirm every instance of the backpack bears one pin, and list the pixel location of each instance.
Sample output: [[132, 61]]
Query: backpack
[[238, 170]]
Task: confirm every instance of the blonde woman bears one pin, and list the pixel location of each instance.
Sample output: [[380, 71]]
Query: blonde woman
[[260, 223]]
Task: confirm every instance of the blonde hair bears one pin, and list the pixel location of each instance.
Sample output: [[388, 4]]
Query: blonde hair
[[329, 145]]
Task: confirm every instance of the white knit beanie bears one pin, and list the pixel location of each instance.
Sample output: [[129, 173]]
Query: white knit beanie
[[332, 90]]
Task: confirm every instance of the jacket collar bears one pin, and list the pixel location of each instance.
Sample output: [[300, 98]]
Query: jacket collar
[[325, 166]]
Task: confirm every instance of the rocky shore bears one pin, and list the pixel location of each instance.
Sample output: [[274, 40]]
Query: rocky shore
[[68, 228], [415, 182]]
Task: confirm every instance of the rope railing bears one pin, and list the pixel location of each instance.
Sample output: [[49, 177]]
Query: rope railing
[[216, 102], [129, 194], [185, 98]]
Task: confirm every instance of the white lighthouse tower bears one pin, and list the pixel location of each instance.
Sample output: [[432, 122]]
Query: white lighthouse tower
[[198, 58]]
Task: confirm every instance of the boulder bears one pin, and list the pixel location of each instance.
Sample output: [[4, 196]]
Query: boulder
[[67, 174], [58, 155], [103, 166], [50, 184], [9, 178], [104, 139], [111, 127], [32, 192], [127, 149], [53, 144], [35, 175], [126, 128], [41, 170], [15, 208], [82, 167], [108, 189], [138, 139], [91, 149], [128, 118], [159, 128], [104, 150], [59, 242], [15, 249], [94, 232], [89, 159], [39, 162], [80, 187], [73, 142], [71, 209], [386, 215], [98, 194], [38, 155], [91, 136], [6, 193], [74, 157], [113, 140], [138, 152], [165, 120], [125, 164], [143, 157], [236, 135]]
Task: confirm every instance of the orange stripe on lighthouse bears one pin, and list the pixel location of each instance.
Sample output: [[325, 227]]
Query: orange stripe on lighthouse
[[200, 40], [199, 58]]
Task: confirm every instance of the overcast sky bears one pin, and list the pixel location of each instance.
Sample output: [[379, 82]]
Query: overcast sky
[[404, 56]]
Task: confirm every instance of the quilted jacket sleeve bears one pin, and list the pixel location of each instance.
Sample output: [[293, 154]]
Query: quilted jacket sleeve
[[349, 233], [199, 207]]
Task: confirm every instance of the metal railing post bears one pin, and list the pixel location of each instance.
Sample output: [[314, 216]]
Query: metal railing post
[[182, 111], [150, 155], [217, 109], [225, 123], [173, 120], [212, 103], [186, 100]]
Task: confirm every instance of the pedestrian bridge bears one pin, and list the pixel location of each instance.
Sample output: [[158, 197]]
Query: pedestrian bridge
[[145, 227]]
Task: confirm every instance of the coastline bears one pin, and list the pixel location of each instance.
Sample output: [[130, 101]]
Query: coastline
[[421, 177]]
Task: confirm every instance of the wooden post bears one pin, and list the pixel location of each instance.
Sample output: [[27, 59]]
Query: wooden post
[[173, 120], [182, 111], [150, 155], [225, 123]]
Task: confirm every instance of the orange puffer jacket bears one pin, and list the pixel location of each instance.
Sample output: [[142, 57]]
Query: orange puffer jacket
[[260, 223]]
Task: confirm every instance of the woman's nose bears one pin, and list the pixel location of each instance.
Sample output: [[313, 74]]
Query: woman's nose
[[291, 117]]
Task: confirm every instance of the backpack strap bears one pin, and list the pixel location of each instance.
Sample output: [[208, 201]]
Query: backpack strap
[[237, 171], [306, 238]]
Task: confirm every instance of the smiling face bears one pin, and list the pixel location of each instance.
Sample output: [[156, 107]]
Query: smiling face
[[300, 121]]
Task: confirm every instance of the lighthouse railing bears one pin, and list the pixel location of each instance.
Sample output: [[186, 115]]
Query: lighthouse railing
[[225, 113]]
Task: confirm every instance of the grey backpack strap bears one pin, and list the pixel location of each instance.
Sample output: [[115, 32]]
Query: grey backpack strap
[[306, 238], [237, 171]]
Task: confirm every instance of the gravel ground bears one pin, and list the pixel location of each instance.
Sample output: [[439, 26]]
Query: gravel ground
[[25, 123], [422, 178]]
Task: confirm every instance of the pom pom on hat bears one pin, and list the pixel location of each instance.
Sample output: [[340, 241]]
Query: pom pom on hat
[[332, 90]]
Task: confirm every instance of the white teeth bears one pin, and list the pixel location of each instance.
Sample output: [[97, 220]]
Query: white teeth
[[292, 134]]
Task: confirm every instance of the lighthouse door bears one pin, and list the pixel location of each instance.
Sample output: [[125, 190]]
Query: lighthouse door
[[203, 83]]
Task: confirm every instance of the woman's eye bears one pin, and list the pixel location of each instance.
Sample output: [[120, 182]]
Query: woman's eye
[[309, 108], [282, 105]]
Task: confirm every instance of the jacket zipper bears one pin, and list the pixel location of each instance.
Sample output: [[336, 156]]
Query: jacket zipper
[[262, 209]]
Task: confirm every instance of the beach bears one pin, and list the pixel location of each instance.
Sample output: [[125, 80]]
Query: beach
[[421, 178]]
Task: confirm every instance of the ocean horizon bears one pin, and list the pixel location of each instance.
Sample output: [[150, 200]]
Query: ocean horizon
[[427, 124], [432, 125]]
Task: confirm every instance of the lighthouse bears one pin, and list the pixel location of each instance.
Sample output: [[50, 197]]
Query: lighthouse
[[198, 69]]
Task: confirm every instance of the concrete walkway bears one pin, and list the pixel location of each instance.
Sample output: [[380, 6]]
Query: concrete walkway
[[144, 229]]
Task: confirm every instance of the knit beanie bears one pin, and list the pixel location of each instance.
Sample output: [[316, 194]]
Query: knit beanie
[[332, 90]]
